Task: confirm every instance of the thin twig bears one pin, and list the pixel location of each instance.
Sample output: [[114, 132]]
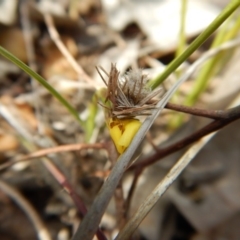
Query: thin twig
[[28, 38], [214, 114], [58, 149], [28, 35], [56, 38], [120, 206], [41, 229], [228, 116]]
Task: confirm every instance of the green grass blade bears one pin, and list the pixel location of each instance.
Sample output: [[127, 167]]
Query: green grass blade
[[42, 81], [92, 113], [182, 34]]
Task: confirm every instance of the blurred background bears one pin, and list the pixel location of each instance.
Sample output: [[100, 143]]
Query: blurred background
[[64, 41]]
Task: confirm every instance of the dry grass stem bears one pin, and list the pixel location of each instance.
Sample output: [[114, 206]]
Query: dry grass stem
[[56, 38], [58, 149]]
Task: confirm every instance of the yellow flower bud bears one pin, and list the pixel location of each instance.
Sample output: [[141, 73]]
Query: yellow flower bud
[[122, 132]]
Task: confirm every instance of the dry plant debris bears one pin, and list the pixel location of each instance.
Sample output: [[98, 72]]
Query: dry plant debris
[[40, 142]]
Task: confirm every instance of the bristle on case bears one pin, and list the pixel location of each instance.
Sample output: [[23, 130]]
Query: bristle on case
[[130, 96], [126, 99]]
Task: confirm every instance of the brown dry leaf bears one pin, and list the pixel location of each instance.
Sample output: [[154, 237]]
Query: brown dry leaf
[[84, 7], [8, 142], [25, 110], [28, 114], [12, 39], [55, 64]]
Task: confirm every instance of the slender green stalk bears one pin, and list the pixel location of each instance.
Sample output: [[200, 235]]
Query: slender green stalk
[[234, 31], [205, 74], [42, 81], [226, 56], [231, 7], [90, 123], [182, 35], [181, 47]]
